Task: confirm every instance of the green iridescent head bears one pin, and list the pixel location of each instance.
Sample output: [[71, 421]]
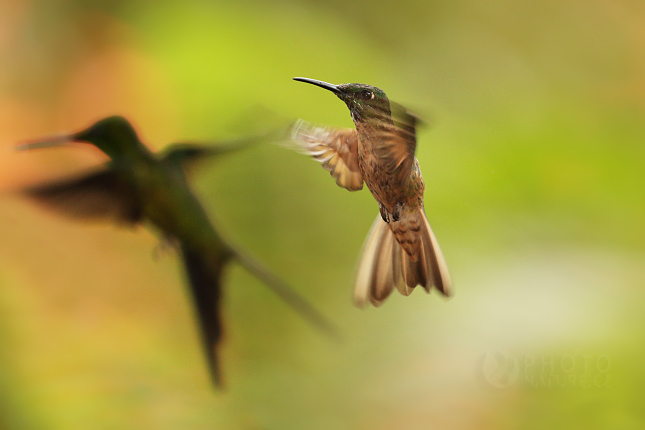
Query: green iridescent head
[[365, 102], [113, 135]]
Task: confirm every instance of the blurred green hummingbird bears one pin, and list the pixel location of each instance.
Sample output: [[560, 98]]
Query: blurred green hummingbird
[[136, 186], [401, 250]]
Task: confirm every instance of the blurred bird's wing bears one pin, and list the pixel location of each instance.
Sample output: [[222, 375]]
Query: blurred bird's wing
[[204, 273], [187, 154], [99, 195], [335, 148], [395, 145]]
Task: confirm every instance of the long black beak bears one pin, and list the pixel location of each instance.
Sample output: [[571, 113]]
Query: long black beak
[[331, 87], [47, 142]]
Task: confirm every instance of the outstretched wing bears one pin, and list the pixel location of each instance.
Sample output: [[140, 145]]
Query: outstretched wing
[[336, 149], [395, 145], [100, 195], [185, 154]]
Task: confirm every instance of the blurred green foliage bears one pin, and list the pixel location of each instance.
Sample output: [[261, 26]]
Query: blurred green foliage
[[533, 162]]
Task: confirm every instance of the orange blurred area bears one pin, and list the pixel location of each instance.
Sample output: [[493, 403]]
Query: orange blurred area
[[108, 76]]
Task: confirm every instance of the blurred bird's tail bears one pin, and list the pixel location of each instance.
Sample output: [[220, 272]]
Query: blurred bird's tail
[[205, 275], [401, 255]]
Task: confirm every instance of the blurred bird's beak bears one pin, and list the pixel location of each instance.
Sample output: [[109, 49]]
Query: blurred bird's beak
[[48, 142]]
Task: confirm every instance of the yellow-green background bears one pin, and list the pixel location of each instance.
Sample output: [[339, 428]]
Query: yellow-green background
[[534, 162]]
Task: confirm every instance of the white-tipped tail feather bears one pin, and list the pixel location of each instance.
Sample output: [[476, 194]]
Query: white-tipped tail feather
[[384, 265]]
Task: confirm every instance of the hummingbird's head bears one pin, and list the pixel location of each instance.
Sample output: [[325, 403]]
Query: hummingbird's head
[[113, 135], [365, 102]]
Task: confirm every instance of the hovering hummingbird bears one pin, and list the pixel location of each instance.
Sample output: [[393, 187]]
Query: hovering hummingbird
[[136, 186], [401, 250]]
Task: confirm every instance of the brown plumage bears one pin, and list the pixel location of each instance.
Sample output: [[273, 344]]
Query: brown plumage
[[401, 250]]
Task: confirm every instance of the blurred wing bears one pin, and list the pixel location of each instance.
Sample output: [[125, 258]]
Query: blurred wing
[[180, 153], [205, 281], [99, 195], [336, 149], [398, 143], [186, 154]]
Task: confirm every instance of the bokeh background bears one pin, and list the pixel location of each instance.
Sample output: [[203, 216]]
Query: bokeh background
[[534, 166]]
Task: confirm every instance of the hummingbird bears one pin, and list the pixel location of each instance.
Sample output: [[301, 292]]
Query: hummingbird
[[138, 186], [401, 250]]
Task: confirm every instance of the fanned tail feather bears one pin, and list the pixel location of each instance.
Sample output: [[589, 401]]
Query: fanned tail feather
[[385, 265]]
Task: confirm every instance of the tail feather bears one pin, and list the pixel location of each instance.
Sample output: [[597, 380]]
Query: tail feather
[[436, 264], [398, 255], [415, 272], [385, 265], [374, 276], [384, 277]]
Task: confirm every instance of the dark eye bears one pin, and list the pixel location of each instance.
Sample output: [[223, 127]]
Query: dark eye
[[367, 95]]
